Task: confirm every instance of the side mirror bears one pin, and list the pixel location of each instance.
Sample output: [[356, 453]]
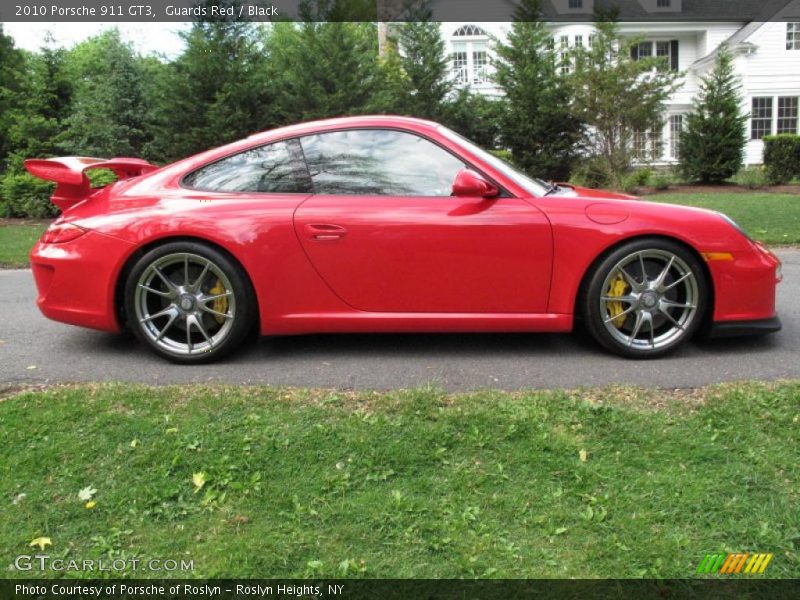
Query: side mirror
[[471, 184]]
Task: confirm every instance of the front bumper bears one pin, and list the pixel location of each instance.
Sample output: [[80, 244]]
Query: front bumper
[[745, 285], [726, 329], [76, 279]]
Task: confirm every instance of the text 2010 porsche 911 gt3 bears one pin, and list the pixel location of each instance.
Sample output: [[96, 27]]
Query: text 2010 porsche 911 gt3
[[383, 224]]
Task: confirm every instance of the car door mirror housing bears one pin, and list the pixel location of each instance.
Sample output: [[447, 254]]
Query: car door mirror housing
[[471, 184]]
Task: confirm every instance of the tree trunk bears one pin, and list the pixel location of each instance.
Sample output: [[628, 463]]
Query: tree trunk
[[383, 38]]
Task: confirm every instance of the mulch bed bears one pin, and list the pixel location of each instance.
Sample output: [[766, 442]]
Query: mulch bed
[[725, 187], [10, 222]]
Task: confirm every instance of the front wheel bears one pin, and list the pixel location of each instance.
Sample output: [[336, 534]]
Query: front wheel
[[188, 302], [645, 298]]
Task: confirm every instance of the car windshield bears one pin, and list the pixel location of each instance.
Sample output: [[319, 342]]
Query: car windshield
[[536, 187]]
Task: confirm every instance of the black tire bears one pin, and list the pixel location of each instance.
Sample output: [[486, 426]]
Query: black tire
[[190, 269], [652, 317]]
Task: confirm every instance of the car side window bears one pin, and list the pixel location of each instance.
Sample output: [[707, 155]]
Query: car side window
[[378, 162], [274, 168]]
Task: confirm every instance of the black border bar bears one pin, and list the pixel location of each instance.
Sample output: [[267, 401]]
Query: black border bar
[[155, 11], [402, 589]]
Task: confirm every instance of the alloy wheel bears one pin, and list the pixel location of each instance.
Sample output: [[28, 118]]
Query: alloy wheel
[[649, 300], [184, 304]]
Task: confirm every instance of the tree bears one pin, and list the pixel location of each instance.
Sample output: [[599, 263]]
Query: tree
[[35, 131], [35, 125], [218, 90], [12, 69], [475, 116], [108, 106], [538, 126], [38, 125], [618, 96], [325, 69], [339, 10], [424, 63], [712, 144]]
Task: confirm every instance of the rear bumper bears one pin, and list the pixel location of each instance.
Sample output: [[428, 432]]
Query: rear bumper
[[726, 329], [75, 280]]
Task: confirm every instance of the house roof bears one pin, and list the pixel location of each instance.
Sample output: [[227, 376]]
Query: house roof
[[735, 40], [696, 10], [741, 36], [629, 10]]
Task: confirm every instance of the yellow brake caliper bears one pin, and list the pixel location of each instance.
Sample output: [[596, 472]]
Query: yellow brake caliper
[[219, 305], [617, 288]]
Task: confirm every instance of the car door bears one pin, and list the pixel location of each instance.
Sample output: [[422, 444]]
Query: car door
[[383, 231]]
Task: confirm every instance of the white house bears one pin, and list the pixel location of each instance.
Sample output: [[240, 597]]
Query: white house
[[767, 59]]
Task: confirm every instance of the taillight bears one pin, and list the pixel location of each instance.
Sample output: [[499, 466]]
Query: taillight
[[58, 233]]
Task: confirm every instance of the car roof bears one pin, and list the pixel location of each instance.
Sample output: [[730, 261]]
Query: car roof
[[344, 122]]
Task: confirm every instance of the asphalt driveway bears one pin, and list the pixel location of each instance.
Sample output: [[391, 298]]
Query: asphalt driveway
[[36, 350]]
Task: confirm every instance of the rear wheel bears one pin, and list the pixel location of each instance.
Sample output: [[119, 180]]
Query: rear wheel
[[645, 298], [189, 302]]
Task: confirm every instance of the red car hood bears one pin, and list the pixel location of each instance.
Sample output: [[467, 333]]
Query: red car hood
[[591, 193]]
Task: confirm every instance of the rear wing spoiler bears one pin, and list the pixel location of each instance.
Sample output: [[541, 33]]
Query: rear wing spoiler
[[69, 173]]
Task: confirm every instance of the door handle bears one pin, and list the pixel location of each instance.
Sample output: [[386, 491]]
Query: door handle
[[324, 231]]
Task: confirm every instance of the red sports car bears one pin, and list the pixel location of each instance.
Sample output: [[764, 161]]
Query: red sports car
[[383, 224]]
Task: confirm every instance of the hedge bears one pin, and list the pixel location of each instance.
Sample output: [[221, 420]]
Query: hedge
[[782, 157], [22, 195]]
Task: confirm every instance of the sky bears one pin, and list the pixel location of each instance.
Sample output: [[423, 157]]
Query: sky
[[147, 38]]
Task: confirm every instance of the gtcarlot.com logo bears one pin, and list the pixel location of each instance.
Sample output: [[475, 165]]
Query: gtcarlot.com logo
[[734, 563], [43, 562]]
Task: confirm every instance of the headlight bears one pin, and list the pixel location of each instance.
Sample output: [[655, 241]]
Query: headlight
[[735, 225]]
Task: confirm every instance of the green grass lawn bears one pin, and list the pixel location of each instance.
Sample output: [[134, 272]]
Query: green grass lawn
[[770, 218], [16, 242], [253, 481]]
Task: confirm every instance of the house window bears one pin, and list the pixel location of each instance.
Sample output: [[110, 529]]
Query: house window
[[564, 60], [761, 118], [575, 3], [640, 145], [647, 145], [470, 57], [665, 49], [787, 114], [793, 36], [675, 128], [663, 3], [656, 143], [469, 31], [460, 63], [578, 41], [480, 61], [644, 50]]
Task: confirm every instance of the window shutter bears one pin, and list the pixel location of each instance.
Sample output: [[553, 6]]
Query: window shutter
[[674, 55], [635, 52]]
